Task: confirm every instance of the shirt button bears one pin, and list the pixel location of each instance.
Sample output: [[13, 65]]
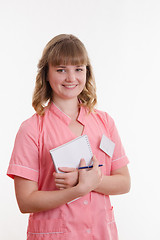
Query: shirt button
[[88, 230], [85, 202]]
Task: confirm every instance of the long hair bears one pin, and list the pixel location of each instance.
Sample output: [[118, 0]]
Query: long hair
[[63, 49]]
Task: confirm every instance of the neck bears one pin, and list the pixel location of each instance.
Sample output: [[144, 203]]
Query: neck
[[70, 107]]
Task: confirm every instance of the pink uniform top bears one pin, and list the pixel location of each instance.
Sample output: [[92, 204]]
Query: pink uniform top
[[89, 217]]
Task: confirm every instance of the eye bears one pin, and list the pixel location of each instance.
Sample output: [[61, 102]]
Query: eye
[[60, 70], [79, 69]]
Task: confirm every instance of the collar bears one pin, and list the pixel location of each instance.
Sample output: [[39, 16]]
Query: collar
[[64, 117]]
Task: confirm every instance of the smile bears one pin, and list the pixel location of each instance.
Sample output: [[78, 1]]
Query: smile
[[70, 86]]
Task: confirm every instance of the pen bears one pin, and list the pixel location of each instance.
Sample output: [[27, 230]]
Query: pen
[[100, 165]]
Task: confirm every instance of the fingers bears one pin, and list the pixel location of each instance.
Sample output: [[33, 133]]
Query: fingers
[[67, 179], [89, 179], [60, 183], [95, 162], [59, 175], [71, 177], [67, 169], [96, 165], [82, 163]]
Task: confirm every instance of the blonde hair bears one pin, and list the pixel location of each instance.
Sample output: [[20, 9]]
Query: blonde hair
[[63, 49]]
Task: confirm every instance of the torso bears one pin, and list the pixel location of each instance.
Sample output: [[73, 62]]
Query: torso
[[76, 128], [32, 159]]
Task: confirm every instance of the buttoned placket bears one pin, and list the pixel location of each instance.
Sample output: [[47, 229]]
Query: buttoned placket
[[86, 200], [87, 208]]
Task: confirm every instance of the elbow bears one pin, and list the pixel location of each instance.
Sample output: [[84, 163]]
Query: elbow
[[127, 189], [26, 205], [127, 186], [23, 209], [27, 208]]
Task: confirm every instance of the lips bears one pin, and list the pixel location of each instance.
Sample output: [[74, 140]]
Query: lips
[[70, 86]]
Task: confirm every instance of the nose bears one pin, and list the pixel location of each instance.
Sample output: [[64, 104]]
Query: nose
[[70, 76]]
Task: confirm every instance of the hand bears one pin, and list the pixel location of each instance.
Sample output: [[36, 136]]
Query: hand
[[89, 179], [67, 179]]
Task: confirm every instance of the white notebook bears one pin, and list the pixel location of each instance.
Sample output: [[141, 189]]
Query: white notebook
[[70, 154]]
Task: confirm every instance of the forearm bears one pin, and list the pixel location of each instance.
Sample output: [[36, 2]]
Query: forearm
[[39, 201], [114, 185], [31, 200]]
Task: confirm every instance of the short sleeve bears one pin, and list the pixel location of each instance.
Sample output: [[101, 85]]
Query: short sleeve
[[119, 158], [24, 159]]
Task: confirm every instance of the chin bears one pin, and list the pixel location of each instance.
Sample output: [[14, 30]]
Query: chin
[[70, 96]]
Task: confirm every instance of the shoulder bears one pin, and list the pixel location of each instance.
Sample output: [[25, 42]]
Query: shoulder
[[34, 124], [30, 128], [104, 117], [31, 122]]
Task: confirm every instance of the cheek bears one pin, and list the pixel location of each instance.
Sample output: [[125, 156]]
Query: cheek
[[83, 80], [54, 80], [53, 85]]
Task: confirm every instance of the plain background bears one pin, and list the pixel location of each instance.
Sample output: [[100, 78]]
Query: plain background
[[123, 42]]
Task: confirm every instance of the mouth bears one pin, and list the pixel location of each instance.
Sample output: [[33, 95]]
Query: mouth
[[70, 86]]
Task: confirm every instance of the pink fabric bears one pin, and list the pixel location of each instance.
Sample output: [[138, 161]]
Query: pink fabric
[[89, 217]]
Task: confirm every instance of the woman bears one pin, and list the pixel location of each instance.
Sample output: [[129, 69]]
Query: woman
[[72, 204]]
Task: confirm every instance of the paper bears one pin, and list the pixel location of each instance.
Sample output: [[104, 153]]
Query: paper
[[107, 145], [70, 154]]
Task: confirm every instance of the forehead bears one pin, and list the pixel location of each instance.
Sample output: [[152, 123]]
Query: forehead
[[70, 66], [68, 54]]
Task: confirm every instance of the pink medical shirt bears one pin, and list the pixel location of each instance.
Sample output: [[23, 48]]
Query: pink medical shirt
[[89, 217]]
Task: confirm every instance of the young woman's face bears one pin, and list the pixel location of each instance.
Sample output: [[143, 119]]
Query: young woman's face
[[68, 81]]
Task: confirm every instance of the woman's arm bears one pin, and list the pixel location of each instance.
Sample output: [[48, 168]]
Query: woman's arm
[[117, 183], [31, 200]]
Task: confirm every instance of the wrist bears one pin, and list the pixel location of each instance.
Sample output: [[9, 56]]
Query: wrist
[[81, 190]]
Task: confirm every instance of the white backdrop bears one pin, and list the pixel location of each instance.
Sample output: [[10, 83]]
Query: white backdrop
[[123, 42]]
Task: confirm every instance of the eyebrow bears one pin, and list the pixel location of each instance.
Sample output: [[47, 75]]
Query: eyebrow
[[61, 66]]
